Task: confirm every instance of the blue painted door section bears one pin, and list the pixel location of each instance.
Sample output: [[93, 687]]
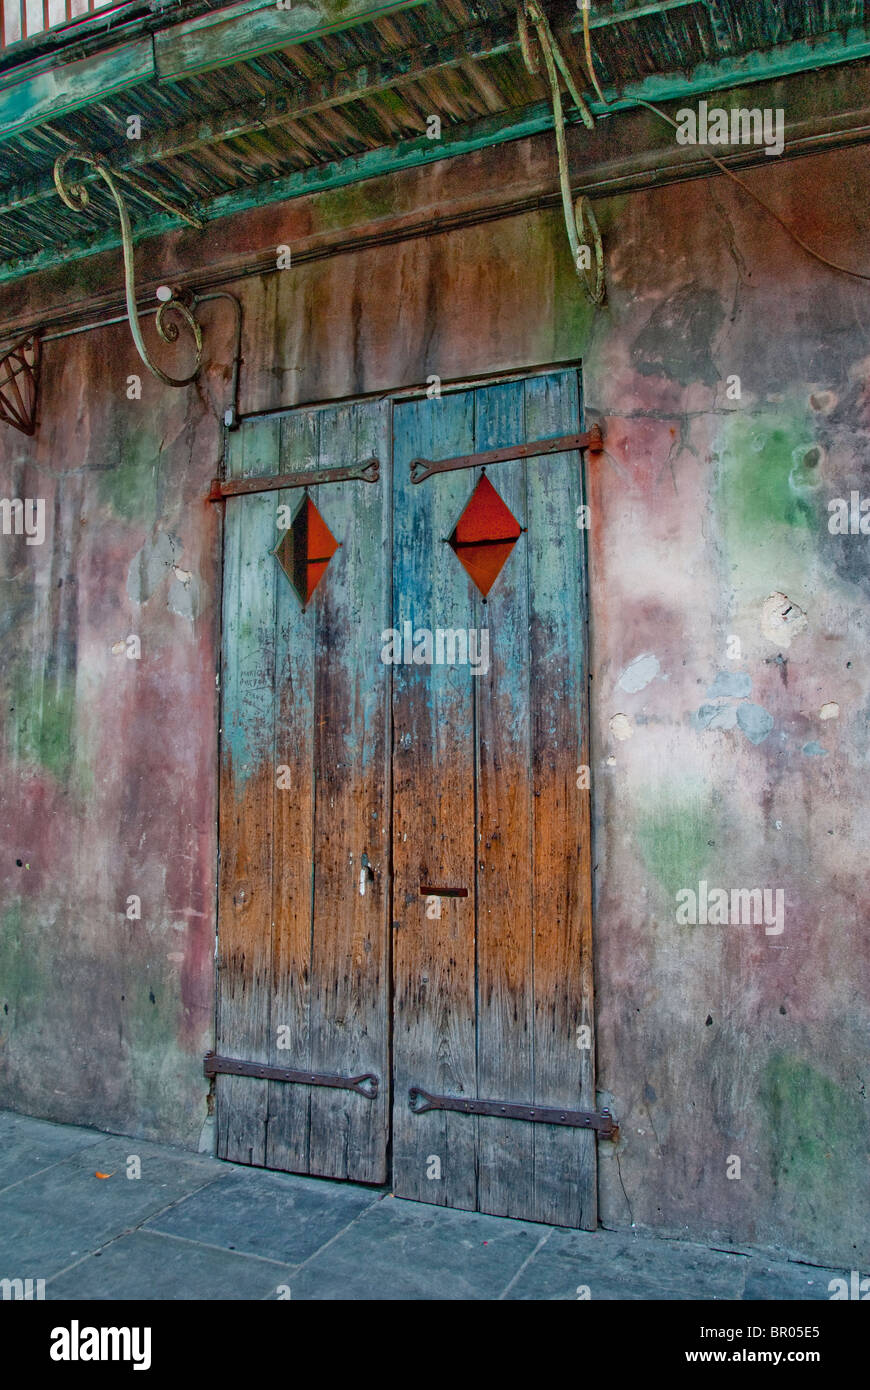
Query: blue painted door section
[[303, 927], [493, 997], [405, 861]]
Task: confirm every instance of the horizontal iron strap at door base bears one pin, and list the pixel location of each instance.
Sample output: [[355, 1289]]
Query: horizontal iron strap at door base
[[369, 471], [593, 440], [602, 1121], [365, 1085]]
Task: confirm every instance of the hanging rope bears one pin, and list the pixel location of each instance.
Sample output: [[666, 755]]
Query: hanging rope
[[584, 237]]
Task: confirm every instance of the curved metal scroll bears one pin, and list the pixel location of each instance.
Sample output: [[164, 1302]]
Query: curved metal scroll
[[580, 224], [75, 195]]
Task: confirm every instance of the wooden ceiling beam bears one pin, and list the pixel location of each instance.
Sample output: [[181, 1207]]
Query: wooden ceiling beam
[[37, 92], [351, 84], [340, 87]]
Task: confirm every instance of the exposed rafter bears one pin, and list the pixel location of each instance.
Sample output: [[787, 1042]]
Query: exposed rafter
[[426, 61], [224, 159], [307, 98]]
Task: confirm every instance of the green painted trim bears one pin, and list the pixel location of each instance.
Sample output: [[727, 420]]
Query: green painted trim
[[46, 95], [28, 97], [603, 21], [307, 98], [758, 66], [213, 41], [493, 130], [48, 88], [408, 154]]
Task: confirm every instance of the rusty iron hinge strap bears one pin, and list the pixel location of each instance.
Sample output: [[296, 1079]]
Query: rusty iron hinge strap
[[368, 471], [592, 439], [601, 1120], [365, 1085]]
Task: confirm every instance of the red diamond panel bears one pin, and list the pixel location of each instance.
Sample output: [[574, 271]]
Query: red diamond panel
[[305, 549], [485, 535]]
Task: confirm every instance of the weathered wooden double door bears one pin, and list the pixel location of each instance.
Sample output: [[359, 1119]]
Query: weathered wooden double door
[[405, 887]]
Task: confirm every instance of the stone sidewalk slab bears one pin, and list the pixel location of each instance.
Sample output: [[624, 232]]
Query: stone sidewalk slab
[[193, 1228], [277, 1216], [52, 1218], [147, 1267], [27, 1146], [408, 1250], [609, 1265]]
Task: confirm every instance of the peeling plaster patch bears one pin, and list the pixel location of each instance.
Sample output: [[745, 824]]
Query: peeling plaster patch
[[184, 598], [119, 648], [716, 717], [184, 576], [737, 683], [823, 401], [805, 471], [814, 750], [755, 721], [638, 673], [620, 727], [208, 1136], [611, 761], [675, 341], [830, 710], [781, 620], [148, 568]]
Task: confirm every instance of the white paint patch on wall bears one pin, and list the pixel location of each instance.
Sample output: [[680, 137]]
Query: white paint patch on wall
[[638, 673], [621, 727], [831, 710], [781, 620]]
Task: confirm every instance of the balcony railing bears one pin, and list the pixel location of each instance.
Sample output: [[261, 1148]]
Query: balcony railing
[[24, 19]]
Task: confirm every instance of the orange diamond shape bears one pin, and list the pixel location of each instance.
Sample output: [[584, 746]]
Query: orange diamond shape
[[305, 549], [485, 535]]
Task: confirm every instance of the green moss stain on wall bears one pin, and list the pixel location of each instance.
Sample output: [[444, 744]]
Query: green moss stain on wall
[[575, 317], [812, 1122], [355, 204], [766, 501], [42, 720], [21, 974], [674, 838], [130, 487], [152, 1025]]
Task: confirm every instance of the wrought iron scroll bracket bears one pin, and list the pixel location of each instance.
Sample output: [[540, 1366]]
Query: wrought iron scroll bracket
[[76, 197], [584, 237]]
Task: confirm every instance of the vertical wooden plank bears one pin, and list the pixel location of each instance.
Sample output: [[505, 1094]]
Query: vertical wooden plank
[[254, 449], [292, 877], [504, 950], [319, 955], [565, 1159], [247, 783], [434, 824], [349, 996]]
